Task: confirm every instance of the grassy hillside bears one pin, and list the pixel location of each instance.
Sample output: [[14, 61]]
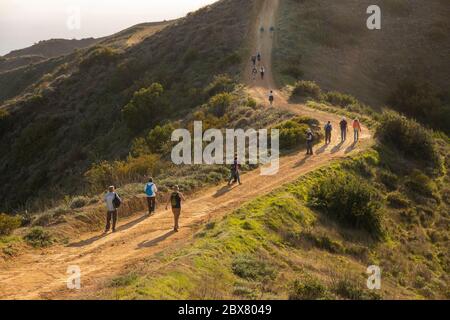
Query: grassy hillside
[[328, 42], [289, 245], [73, 116]]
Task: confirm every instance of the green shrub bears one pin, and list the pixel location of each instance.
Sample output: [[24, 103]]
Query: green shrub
[[220, 84], [79, 202], [43, 219], [419, 183], [350, 289], [219, 104], [306, 89], [408, 137], [99, 56], [8, 224], [389, 179], [308, 289], [145, 108], [292, 134], [421, 101], [248, 267], [350, 200], [159, 139], [340, 99], [396, 200], [39, 238]]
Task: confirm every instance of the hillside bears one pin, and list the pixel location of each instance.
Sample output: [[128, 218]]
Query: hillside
[[328, 42], [104, 115]]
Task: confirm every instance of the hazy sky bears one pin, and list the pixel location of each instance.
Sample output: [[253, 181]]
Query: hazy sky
[[24, 22]]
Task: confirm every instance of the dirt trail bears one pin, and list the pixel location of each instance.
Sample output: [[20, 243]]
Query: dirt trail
[[42, 274]]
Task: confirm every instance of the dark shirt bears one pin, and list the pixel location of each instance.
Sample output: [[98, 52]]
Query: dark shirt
[[175, 200], [343, 124]]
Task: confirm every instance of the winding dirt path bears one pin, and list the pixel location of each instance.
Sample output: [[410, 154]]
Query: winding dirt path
[[41, 274]]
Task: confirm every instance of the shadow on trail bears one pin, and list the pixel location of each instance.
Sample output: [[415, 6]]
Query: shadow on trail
[[351, 147], [222, 191], [303, 161], [89, 241], [154, 242], [322, 149], [337, 147]]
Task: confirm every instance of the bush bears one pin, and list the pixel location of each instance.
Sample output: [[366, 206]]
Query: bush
[[78, 202], [408, 137], [349, 289], [340, 99], [159, 139], [99, 56], [8, 224], [292, 134], [145, 108], [308, 289], [389, 179], [419, 183], [219, 104], [350, 200], [220, 84], [252, 269], [421, 101], [306, 89], [293, 71], [396, 200], [39, 238]]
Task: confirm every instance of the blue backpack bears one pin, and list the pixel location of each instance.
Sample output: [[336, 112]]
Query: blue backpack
[[149, 190]]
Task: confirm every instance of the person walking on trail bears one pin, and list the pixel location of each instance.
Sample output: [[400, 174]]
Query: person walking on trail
[[271, 97], [309, 142], [263, 71], [356, 129], [344, 129], [150, 190], [328, 130], [235, 172], [175, 201], [258, 56], [113, 202], [254, 73], [254, 61]]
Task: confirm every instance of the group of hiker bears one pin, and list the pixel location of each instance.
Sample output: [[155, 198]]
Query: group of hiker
[[113, 202], [257, 66], [328, 128]]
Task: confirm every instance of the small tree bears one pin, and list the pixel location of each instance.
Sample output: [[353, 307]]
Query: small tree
[[145, 108]]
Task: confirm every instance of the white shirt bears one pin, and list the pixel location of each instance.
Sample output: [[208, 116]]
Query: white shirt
[[154, 189], [109, 197]]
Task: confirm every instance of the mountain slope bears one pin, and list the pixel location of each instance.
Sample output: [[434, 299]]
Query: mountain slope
[[72, 115], [330, 44]]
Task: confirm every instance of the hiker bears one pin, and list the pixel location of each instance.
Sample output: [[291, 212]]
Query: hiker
[[328, 130], [271, 97], [344, 129], [235, 174], [150, 190], [175, 200], [113, 202], [254, 60], [254, 73], [309, 142], [356, 129], [259, 56], [262, 72]]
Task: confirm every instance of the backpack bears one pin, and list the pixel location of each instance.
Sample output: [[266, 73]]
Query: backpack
[[149, 189], [116, 201], [175, 199], [309, 136], [328, 127]]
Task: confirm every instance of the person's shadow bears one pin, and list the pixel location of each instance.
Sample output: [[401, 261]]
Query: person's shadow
[[337, 147], [303, 161], [222, 191], [322, 149], [351, 147], [154, 242], [89, 241]]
